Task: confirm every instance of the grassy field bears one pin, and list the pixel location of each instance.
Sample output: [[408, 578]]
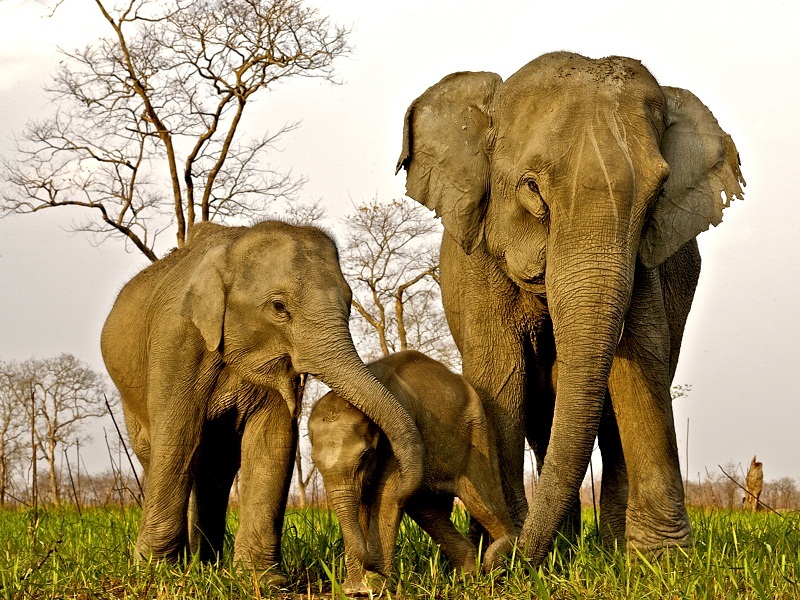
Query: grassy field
[[65, 555]]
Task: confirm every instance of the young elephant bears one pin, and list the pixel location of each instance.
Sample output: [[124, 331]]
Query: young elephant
[[209, 348], [361, 475]]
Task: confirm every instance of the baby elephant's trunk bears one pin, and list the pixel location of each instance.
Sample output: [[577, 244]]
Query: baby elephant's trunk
[[346, 504]]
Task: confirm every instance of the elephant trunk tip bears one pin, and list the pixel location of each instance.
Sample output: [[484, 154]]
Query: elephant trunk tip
[[411, 473]]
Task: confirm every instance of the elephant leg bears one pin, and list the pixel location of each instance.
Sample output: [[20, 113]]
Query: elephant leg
[[140, 441], [475, 294], [268, 446], [498, 377], [385, 516], [360, 581], [432, 512], [173, 440], [614, 487], [481, 493], [640, 395], [217, 463]]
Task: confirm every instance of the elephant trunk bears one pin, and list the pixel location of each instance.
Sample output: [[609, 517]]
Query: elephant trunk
[[346, 503], [588, 296], [341, 369]]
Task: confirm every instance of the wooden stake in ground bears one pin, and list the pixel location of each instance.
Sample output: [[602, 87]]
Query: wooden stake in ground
[[754, 483]]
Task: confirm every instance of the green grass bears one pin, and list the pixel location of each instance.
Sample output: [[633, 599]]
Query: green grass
[[64, 555]]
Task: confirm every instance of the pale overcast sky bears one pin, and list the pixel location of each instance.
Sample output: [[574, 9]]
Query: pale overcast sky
[[742, 344]]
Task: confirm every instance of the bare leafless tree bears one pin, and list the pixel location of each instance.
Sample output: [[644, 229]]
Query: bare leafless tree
[[782, 494], [147, 133], [12, 429], [391, 259], [57, 395]]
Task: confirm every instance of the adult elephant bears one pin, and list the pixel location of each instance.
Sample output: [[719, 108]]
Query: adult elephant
[[209, 348], [571, 196]]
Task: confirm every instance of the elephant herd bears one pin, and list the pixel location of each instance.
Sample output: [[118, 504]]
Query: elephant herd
[[571, 195]]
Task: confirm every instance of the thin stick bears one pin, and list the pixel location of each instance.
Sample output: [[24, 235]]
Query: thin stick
[[78, 465], [125, 447], [91, 480], [34, 483], [118, 477], [72, 483], [114, 471], [686, 466]]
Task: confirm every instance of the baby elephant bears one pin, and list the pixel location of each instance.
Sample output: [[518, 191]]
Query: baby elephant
[[361, 474]]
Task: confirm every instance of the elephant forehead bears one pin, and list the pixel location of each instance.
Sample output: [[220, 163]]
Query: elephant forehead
[[566, 65], [328, 453], [581, 138], [306, 273], [554, 91], [335, 446], [285, 246]]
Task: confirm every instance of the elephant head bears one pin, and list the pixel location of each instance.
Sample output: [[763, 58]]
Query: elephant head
[[274, 303], [344, 445], [567, 174]]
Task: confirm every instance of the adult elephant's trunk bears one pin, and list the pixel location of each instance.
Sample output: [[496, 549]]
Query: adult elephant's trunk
[[588, 294], [336, 362]]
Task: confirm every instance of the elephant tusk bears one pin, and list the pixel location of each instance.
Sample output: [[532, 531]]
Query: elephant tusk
[[301, 386]]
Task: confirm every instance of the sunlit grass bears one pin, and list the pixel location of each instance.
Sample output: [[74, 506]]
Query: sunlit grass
[[62, 554]]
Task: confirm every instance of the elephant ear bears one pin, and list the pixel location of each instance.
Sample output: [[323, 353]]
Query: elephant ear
[[204, 298], [704, 177], [445, 152]]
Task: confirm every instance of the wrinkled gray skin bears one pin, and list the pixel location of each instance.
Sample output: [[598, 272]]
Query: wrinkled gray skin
[[571, 196], [361, 477], [208, 348]]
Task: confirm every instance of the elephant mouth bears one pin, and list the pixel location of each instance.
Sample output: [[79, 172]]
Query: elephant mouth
[[535, 285], [529, 277], [289, 384], [294, 395]]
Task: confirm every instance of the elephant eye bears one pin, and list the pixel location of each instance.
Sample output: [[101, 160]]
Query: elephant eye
[[280, 307], [534, 203]]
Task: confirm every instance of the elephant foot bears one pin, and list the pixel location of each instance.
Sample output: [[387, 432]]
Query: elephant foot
[[170, 552], [495, 553], [653, 543], [612, 529], [271, 579], [468, 563], [366, 584]]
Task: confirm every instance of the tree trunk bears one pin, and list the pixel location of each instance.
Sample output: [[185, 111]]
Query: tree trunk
[[34, 482], [51, 461], [754, 483], [3, 476]]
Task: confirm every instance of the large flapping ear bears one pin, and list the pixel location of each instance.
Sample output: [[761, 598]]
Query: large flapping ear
[[445, 152], [704, 177], [204, 299]]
